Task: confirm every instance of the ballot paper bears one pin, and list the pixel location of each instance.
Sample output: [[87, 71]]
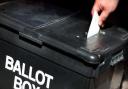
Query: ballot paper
[[94, 27]]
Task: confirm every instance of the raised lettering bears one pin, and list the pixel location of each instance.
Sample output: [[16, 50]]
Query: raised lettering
[[9, 63], [23, 71], [34, 87], [17, 83], [17, 67], [49, 78], [26, 84], [30, 74], [40, 81]]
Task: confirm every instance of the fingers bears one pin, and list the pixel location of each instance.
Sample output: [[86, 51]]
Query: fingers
[[104, 8], [103, 16]]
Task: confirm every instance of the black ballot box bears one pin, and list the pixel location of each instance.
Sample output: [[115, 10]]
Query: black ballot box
[[44, 46]]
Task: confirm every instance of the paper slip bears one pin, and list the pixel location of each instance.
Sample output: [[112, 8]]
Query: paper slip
[[94, 27]]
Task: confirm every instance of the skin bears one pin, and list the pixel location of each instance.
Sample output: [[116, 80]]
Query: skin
[[125, 85], [105, 8]]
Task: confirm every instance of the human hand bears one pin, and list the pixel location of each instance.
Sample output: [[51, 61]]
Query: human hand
[[104, 7]]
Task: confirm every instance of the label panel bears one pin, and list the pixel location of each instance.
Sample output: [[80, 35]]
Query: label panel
[[20, 69]]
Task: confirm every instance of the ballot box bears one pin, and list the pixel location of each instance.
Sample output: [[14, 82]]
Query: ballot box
[[44, 46]]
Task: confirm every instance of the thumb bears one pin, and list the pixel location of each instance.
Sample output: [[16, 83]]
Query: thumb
[[95, 8]]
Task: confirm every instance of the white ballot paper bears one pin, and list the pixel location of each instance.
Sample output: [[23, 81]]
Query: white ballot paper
[[94, 27]]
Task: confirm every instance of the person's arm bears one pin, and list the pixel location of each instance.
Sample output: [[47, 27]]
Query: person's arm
[[105, 7]]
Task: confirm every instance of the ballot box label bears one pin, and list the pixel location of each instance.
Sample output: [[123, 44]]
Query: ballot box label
[[17, 66], [22, 69]]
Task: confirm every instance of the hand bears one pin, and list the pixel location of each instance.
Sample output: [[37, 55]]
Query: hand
[[105, 7]]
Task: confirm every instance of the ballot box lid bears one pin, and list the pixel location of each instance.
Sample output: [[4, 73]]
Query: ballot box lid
[[62, 29]]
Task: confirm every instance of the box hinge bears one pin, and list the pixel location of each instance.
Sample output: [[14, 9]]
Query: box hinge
[[31, 36]]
